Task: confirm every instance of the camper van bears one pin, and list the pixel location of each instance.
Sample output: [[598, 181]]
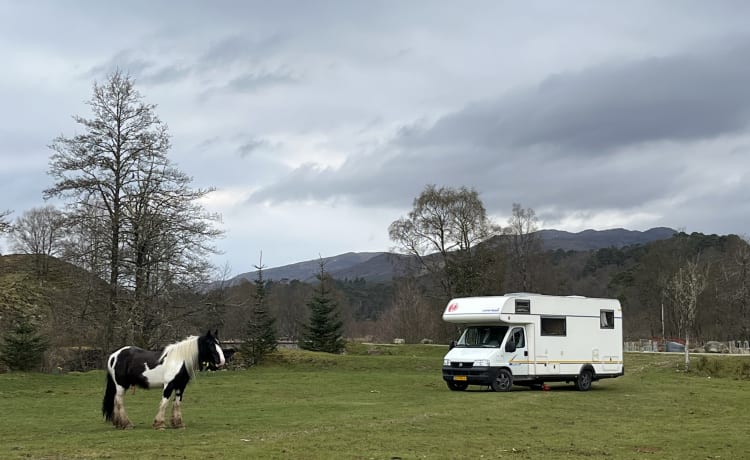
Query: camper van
[[530, 339]]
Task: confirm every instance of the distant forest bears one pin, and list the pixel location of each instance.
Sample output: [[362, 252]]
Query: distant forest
[[67, 304], [411, 308]]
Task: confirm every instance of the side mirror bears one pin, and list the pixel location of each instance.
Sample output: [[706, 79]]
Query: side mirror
[[452, 345], [510, 346]]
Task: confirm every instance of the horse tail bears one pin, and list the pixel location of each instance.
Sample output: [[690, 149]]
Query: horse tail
[[108, 404]]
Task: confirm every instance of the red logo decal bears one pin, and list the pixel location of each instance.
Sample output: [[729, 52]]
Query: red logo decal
[[452, 307]]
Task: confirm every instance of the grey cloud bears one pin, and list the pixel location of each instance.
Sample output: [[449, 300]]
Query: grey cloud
[[255, 81], [165, 75], [557, 143], [240, 49], [252, 146], [127, 61], [672, 98]]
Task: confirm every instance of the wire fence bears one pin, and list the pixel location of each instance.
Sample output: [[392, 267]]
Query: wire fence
[[736, 347]]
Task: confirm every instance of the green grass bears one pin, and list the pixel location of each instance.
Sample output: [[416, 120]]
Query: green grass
[[385, 402]]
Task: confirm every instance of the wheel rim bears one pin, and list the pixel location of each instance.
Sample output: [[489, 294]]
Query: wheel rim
[[585, 379], [503, 381]]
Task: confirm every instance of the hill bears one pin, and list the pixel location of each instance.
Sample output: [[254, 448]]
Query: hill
[[588, 240], [383, 266]]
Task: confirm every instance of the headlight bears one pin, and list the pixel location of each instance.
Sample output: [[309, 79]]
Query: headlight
[[482, 363], [446, 362]]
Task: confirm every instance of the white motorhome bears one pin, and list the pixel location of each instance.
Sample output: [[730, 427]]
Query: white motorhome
[[530, 339]]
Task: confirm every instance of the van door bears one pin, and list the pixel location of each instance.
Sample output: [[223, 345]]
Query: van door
[[519, 358]]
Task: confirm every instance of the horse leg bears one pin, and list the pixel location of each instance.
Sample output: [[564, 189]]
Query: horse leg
[[177, 414], [176, 410], [120, 417], [159, 419]]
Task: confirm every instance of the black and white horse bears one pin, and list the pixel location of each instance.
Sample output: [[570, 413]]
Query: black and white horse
[[170, 369]]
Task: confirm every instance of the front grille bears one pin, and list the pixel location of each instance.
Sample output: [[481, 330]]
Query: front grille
[[462, 365]]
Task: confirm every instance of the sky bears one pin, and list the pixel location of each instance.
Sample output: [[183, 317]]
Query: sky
[[319, 122]]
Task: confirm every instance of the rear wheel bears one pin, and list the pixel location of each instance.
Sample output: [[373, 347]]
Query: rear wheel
[[503, 381], [583, 382], [457, 386]]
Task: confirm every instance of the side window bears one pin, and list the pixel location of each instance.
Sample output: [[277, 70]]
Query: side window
[[553, 326], [606, 319], [518, 337]]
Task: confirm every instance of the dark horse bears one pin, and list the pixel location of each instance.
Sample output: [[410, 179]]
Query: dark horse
[[170, 369]]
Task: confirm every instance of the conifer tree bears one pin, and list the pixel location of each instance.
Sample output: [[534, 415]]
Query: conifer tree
[[260, 338], [22, 348], [324, 331]]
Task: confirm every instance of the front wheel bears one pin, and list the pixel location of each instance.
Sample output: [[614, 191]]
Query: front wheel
[[503, 381], [457, 386], [583, 382]]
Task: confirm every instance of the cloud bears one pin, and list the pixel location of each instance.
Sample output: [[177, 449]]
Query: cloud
[[254, 81], [611, 106], [576, 140], [252, 146]]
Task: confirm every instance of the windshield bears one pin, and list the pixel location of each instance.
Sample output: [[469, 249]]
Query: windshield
[[482, 336]]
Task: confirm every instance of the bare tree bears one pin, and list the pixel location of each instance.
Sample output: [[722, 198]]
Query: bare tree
[[683, 289], [40, 232], [156, 232], [4, 223], [443, 231], [288, 304], [736, 293], [524, 244], [410, 316]]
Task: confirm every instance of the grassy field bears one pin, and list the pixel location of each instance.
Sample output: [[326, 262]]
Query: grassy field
[[389, 405]]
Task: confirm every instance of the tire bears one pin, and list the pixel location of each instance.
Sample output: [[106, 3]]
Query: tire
[[503, 381], [583, 382], [457, 386]]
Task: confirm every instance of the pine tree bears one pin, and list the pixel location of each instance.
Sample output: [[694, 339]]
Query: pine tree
[[23, 348], [260, 337], [324, 331]]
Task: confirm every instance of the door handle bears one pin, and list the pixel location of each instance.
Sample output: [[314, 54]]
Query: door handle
[[526, 353]]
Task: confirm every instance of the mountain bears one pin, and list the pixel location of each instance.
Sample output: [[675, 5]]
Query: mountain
[[588, 240], [383, 266], [306, 271]]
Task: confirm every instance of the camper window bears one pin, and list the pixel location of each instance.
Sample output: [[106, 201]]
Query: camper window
[[482, 336], [523, 306], [607, 319], [553, 325], [518, 338]]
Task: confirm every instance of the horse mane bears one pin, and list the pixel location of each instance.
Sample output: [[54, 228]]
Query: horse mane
[[185, 351]]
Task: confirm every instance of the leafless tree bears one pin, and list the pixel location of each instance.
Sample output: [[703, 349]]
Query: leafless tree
[[523, 246], [156, 233], [443, 231], [40, 232], [736, 287], [288, 304], [410, 316], [683, 289], [4, 223]]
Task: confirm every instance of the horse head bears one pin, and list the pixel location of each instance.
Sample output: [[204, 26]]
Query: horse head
[[209, 350]]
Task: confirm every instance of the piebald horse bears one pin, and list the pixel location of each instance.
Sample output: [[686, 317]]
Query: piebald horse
[[170, 369]]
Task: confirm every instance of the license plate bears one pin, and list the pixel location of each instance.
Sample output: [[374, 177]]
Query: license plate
[[459, 378]]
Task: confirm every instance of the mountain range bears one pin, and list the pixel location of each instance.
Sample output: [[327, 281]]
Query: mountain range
[[383, 266]]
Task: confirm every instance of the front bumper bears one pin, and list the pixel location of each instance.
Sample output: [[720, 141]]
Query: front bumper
[[467, 373]]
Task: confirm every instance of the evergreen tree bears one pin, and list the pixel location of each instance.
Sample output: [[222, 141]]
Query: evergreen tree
[[260, 337], [324, 331], [22, 348]]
